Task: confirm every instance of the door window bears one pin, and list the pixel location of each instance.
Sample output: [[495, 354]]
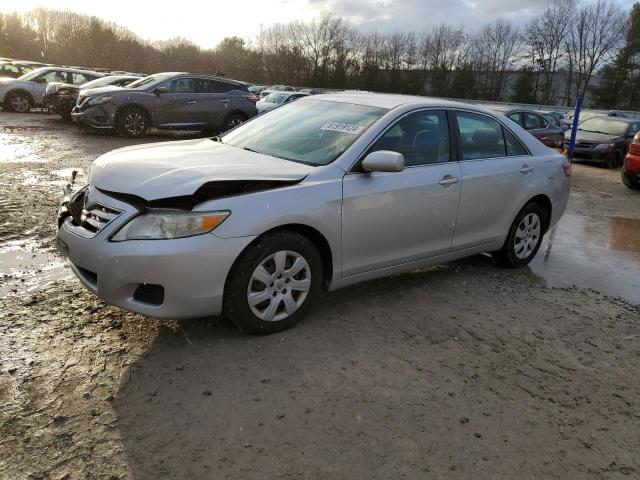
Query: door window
[[533, 121], [422, 137], [480, 136], [207, 85], [80, 78], [11, 70], [53, 76], [181, 85], [516, 118]]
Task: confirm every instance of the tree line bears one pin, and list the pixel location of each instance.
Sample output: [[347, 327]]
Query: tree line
[[550, 60]]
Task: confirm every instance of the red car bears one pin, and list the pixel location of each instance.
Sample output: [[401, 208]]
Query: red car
[[631, 167], [536, 123]]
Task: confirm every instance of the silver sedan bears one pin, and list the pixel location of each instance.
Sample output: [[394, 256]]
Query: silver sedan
[[316, 195]]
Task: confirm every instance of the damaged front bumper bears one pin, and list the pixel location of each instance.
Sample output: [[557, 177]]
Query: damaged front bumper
[[176, 278]]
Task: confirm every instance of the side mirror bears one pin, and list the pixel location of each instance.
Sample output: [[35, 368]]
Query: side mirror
[[160, 91], [383, 161]]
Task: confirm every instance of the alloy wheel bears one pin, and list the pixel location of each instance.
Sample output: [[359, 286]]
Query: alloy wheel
[[527, 236], [134, 123], [279, 286], [234, 122], [20, 104]]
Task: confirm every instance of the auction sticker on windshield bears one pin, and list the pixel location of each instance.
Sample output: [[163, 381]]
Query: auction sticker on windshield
[[342, 128]]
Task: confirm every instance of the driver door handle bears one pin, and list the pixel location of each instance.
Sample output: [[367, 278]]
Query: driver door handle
[[526, 169], [448, 180], [191, 102]]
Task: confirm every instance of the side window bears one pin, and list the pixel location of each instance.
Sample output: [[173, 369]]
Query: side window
[[422, 137], [532, 121], [206, 85], [180, 85], [11, 69], [53, 76], [514, 146], [480, 136], [79, 78], [516, 118]]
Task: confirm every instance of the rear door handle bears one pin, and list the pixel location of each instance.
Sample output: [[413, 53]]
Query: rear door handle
[[191, 102], [448, 180], [526, 169]]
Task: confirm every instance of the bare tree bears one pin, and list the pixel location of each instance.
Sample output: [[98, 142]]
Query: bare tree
[[596, 33]]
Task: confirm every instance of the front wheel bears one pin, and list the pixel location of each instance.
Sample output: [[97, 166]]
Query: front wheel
[[273, 284], [132, 122], [18, 102], [232, 121], [524, 238]]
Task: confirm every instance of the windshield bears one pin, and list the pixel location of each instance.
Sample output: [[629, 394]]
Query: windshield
[[33, 74], [275, 97], [145, 82], [605, 125], [313, 132]]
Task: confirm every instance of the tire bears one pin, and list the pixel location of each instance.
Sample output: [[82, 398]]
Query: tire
[[614, 161], [132, 122], [265, 259], [232, 121], [628, 183], [19, 102], [524, 238]]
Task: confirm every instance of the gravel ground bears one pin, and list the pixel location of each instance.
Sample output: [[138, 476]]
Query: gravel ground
[[456, 372]]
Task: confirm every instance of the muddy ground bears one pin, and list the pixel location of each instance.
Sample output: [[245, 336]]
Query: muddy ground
[[456, 372]]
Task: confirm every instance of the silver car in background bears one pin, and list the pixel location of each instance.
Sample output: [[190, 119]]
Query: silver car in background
[[316, 195], [275, 99], [181, 101]]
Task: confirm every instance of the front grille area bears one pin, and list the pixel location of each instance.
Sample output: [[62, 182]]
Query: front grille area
[[97, 216], [585, 144]]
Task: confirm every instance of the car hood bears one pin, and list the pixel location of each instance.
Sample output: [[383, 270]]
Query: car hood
[[12, 81], [582, 136], [92, 92], [180, 168]]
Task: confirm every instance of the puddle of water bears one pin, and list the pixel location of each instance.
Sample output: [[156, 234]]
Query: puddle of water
[[17, 152], [601, 253], [24, 268]]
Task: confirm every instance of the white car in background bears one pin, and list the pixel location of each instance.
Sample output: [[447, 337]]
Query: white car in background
[[23, 93], [275, 99]]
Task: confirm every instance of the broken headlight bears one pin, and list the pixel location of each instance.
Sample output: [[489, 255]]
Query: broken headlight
[[166, 224]]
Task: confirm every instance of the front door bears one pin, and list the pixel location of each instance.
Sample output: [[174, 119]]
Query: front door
[[178, 106], [393, 218]]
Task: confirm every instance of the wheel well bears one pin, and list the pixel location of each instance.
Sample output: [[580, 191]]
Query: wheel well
[[240, 112], [19, 90], [545, 203], [132, 105], [319, 241]]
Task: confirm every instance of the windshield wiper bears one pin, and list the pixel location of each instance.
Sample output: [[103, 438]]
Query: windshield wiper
[[250, 149]]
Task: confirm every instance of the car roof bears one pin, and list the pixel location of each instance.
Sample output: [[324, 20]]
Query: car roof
[[391, 100], [198, 75], [613, 119], [72, 70]]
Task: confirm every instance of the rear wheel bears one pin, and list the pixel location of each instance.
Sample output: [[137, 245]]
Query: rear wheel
[[132, 122], [232, 121], [524, 238], [19, 102], [272, 285]]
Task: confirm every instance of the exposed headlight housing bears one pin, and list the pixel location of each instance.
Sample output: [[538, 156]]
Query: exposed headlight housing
[[102, 99], [168, 224]]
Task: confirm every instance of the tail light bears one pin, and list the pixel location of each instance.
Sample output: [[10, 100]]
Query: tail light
[[566, 166], [634, 148], [252, 98]]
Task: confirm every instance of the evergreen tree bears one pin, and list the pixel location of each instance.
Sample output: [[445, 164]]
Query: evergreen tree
[[524, 86]]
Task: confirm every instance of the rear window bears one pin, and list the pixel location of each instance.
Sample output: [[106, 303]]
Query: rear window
[[480, 136]]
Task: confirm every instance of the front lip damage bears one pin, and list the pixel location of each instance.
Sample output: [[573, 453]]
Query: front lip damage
[[208, 191]]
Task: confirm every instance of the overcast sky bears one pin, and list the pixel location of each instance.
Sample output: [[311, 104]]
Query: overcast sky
[[208, 22]]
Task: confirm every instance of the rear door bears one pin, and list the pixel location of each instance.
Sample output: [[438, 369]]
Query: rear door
[[394, 218], [497, 178], [214, 100]]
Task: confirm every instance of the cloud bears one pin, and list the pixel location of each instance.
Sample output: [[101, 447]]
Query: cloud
[[416, 15]]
